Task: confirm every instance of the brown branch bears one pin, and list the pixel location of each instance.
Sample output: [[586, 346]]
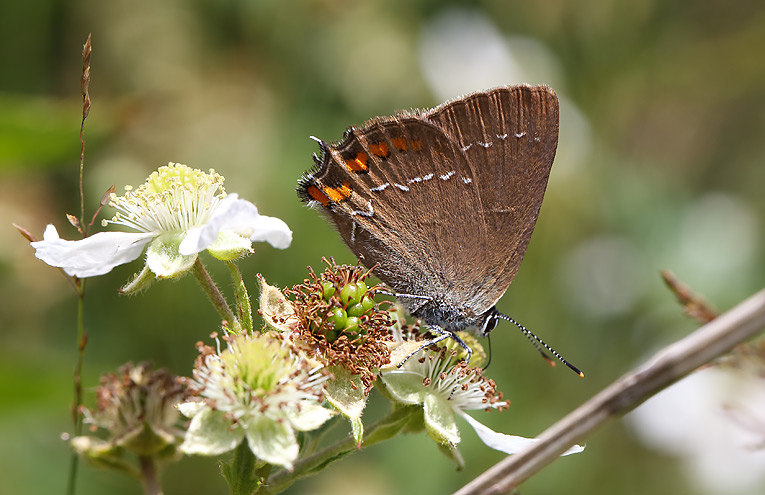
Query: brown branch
[[664, 368]]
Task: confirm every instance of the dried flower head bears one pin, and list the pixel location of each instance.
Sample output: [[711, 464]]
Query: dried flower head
[[137, 407]]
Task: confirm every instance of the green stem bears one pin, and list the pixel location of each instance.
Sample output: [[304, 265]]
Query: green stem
[[384, 429], [240, 472], [82, 341], [243, 304], [149, 477], [217, 299]]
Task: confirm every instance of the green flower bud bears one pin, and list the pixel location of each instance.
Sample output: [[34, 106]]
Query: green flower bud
[[351, 325], [367, 302], [350, 294], [356, 310], [338, 318], [328, 288]]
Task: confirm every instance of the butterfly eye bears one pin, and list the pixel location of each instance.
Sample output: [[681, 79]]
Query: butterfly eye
[[489, 324]]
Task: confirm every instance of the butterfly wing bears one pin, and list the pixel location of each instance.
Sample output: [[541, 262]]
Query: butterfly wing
[[442, 203], [509, 135], [399, 190]]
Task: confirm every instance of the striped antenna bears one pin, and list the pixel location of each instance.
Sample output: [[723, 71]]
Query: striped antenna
[[536, 341]]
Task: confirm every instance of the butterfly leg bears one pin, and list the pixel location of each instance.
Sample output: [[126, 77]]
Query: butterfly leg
[[441, 334]]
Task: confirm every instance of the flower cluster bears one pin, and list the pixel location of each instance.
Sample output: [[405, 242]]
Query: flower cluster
[[325, 344]]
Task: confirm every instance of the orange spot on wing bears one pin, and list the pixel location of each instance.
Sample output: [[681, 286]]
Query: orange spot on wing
[[317, 195], [380, 149], [417, 145], [337, 194], [399, 143], [359, 163]]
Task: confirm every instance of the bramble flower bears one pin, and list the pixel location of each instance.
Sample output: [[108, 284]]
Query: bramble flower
[[333, 318], [340, 323], [446, 387], [258, 389], [137, 407], [178, 212]]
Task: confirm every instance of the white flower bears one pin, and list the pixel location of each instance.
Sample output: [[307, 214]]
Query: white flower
[[256, 389], [447, 387], [178, 212]]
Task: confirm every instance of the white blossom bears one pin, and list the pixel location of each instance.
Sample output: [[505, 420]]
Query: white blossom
[[177, 213], [257, 389]]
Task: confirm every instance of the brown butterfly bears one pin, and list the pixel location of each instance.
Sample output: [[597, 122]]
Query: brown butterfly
[[442, 202]]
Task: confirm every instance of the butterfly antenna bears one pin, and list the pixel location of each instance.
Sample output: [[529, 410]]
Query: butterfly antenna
[[536, 341]]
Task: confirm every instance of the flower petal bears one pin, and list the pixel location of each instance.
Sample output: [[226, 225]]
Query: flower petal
[[272, 230], [91, 256], [439, 420], [242, 217], [211, 433], [509, 444], [191, 408], [400, 351], [310, 416], [272, 441]]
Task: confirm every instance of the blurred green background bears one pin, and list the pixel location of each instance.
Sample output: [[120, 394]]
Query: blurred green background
[[661, 164]]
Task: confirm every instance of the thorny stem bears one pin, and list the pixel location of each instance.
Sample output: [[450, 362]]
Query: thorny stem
[[664, 368], [217, 299], [384, 429]]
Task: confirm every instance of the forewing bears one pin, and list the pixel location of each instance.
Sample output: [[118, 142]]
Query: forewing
[[403, 196]]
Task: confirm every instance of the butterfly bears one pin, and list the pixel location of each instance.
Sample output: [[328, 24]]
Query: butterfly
[[443, 202]]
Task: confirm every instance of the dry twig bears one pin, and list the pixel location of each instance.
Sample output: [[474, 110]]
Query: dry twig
[[664, 368]]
